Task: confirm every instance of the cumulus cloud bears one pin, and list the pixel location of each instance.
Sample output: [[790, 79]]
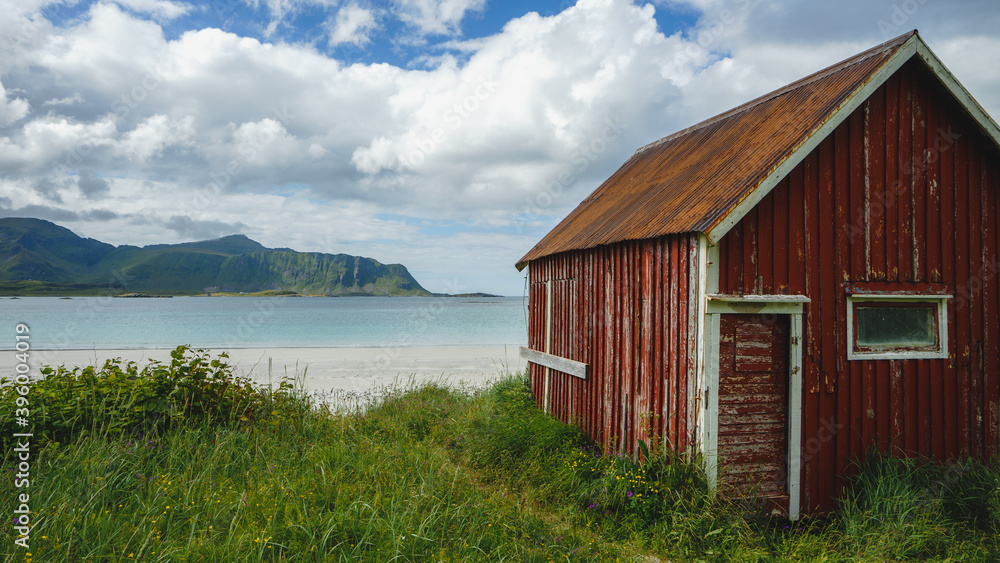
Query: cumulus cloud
[[55, 143], [353, 25], [489, 142], [163, 10], [11, 110], [66, 101], [281, 10], [564, 95], [437, 17], [152, 135]]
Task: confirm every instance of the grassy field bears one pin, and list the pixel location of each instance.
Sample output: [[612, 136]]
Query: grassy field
[[184, 462]]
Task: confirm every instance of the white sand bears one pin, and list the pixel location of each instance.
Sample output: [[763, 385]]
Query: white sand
[[343, 372]]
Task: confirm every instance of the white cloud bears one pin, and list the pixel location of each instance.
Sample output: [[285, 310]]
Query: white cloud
[[281, 10], [527, 106], [163, 10], [437, 17], [67, 101], [316, 150], [13, 110], [155, 133], [49, 142], [353, 24], [265, 144], [463, 163], [109, 52]]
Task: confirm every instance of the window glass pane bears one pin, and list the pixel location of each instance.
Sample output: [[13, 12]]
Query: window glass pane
[[895, 326]]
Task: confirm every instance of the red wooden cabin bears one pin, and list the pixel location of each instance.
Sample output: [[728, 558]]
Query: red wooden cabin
[[785, 285]]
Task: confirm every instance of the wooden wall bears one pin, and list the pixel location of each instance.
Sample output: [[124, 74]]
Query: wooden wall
[[628, 311], [902, 196]]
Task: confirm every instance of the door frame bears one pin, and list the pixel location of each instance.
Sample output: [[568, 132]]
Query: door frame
[[791, 305]]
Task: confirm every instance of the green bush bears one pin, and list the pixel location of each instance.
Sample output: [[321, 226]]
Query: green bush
[[120, 398], [511, 438], [625, 486], [416, 411]]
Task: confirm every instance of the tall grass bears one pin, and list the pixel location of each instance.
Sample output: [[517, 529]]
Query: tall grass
[[293, 482], [910, 509], [429, 473]]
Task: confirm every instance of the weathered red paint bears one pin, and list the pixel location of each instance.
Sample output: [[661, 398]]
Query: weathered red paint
[[936, 233], [753, 404], [901, 196], [628, 311]]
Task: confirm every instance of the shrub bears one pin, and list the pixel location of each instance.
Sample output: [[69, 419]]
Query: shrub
[[646, 490], [415, 411], [121, 398], [514, 440]]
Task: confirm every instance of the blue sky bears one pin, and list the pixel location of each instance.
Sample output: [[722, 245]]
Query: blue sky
[[447, 135], [392, 39]]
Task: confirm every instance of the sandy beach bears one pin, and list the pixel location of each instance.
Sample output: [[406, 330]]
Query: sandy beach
[[351, 372]]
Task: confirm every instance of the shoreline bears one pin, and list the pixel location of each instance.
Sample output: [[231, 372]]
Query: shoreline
[[328, 370], [278, 347]]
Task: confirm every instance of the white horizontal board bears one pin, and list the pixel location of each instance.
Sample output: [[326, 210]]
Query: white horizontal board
[[756, 304], [558, 363]]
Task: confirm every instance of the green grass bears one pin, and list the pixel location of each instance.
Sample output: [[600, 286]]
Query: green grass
[[216, 469]]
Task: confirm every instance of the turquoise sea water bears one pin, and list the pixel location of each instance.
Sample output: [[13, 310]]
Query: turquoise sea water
[[256, 322]]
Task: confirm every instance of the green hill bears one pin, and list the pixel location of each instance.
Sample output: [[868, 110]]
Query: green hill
[[41, 258], [40, 250]]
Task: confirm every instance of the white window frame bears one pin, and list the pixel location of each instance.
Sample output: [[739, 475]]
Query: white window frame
[[940, 301]]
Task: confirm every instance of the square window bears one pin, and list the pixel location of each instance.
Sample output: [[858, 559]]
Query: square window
[[897, 327]]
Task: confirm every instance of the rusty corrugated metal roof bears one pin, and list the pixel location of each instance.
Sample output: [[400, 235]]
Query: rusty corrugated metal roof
[[691, 180]]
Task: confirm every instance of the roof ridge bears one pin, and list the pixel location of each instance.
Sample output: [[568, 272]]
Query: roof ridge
[[809, 79]]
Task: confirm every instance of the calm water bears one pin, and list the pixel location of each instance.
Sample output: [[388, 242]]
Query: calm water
[[252, 322]]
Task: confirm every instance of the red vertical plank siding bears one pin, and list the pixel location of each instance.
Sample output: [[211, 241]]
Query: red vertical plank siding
[[765, 260], [646, 385], [625, 310], [911, 222], [904, 191], [991, 288], [672, 275], [827, 238], [897, 147], [828, 285], [916, 168], [732, 277], [890, 196], [947, 383], [879, 208], [845, 223], [976, 396], [781, 246], [959, 408], [991, 292]]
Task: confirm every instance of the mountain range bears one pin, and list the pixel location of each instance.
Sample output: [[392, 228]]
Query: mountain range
[[38, 257]]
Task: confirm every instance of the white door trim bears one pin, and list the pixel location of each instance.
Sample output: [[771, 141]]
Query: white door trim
[[791, 305]]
